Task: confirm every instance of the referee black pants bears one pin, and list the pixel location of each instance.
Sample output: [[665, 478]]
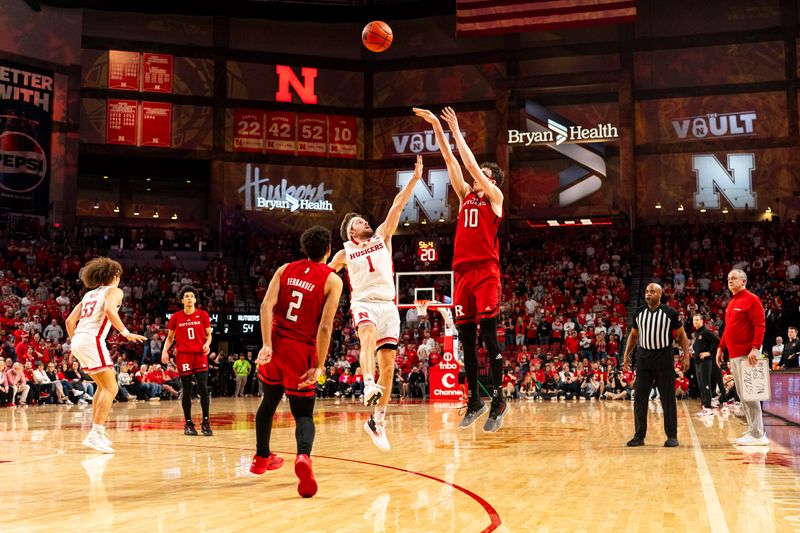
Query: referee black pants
[[655, 367]]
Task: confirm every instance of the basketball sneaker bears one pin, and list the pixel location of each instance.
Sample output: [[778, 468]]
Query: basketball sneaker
[[496, 414], [98, 442], [378, 433], [262, 464], [474, 411], [372, 393], [749, 440], [307, 486], [704, 413], [188, 429], [205, 428]]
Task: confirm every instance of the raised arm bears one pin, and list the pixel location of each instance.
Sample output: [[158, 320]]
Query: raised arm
[[338, 262], [492, 192], [270, 299], [453, 166], [389, 226]]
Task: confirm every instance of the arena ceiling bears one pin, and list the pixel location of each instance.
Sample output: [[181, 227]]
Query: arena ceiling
[[305, 10]]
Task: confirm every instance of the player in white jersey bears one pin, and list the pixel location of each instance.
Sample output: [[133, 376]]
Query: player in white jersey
[[87, 326], [368, 258]]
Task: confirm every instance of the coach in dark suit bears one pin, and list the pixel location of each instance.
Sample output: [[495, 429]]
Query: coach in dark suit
[[655, 327], [705, 349]]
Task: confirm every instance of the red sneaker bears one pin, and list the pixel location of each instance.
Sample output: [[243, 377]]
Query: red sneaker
[[302, 468], [262, 464]]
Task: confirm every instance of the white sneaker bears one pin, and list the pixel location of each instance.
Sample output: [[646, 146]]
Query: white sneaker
[[155, 399], [372, 393], [378, 433], [96, 441], [82, 402], [714, 402], [749, 440], [704, 413]]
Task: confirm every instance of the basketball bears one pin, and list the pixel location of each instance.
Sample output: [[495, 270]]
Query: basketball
[[377, 36]]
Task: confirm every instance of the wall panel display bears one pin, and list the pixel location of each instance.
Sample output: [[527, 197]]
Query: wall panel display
[[192, 127], [296, 83], [189, 76], [149, 27], [279, 197], [710, 65], [312, 134], [248, 130], [281, 132], [448, 86], [342, 137], [409, 135], [751, 179], [705, 118]]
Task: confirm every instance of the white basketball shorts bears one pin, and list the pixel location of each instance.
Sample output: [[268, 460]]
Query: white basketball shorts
[[383, 315], [91, 353]]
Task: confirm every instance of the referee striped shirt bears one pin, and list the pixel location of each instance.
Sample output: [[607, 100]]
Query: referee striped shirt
[[656, 328]]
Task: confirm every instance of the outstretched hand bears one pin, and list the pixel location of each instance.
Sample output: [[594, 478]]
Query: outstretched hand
[[426, 115], [449, 116], [133, 337], [309, 379], [418, 168]]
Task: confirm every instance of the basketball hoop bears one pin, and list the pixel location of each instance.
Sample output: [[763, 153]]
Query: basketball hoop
[[422, 307]]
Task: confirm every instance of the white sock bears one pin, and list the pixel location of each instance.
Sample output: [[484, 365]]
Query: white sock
[[380, 414], [98, 428], [369, 379]]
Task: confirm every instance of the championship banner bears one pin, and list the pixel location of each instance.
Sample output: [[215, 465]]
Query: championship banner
[[26, 118], [157, 73], [156, 124], [313, 134], [342, 137], [123, 70], [248, 130], [121, 122]]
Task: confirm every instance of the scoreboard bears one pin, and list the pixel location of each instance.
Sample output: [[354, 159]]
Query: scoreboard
[[428, 250]]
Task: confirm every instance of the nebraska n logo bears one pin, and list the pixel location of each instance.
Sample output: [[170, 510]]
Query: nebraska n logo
[[432, 200], [582, 179], [734, 182]]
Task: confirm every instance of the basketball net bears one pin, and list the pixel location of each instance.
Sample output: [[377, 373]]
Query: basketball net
[[422, 307]]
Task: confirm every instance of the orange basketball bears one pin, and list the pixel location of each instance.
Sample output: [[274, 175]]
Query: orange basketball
[[377, 36]]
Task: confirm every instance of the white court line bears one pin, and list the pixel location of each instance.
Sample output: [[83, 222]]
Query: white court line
[[716, 517]]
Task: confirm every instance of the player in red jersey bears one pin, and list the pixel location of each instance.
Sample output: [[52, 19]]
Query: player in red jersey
[[296, 324], [476, 264], [190, 329]]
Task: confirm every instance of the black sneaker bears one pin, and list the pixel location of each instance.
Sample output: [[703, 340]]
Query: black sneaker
[[636, 441], [188, 429], [474, 411], [671, 442], [205, 428], [495, 420]]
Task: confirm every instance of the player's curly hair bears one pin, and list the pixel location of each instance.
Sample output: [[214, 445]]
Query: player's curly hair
[[345, 223], [315, 242], [497, 173], [188, 288], [100, 271]]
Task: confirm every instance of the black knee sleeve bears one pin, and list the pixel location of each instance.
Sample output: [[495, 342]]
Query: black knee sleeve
[[468, 334], [303, 413], [269, 403], [489, 334]]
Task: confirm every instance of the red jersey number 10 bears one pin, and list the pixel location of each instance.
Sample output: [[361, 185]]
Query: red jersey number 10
[[471, 218]]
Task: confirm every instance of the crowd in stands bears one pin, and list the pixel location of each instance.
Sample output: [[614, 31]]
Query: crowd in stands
[[562, 325], [146, 238]]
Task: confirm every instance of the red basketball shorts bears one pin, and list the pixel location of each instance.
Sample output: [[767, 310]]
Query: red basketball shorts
[[191, 363], [477, 293], [291, 359]]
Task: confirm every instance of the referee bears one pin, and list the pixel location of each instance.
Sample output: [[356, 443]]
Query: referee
[[655, 326]]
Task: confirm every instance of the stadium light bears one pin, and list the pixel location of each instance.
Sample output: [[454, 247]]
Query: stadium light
[[725, 210], [406, 223], [658, 205], [96, 204], [155, 215], [441, 217], [424, 221], [769, 209], [702, 207], [680, 207], [116, 208], [175, 215], [136, 210]]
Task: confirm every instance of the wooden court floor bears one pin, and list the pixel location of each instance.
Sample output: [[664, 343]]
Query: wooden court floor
[[554, 466]]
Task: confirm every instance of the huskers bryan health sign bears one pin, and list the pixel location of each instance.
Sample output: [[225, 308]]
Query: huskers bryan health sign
[[26, 114]]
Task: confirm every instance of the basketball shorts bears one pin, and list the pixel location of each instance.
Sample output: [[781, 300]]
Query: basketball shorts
[[191, 363], [91, 353], [477, 293], [291, 359], [383, 315]]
